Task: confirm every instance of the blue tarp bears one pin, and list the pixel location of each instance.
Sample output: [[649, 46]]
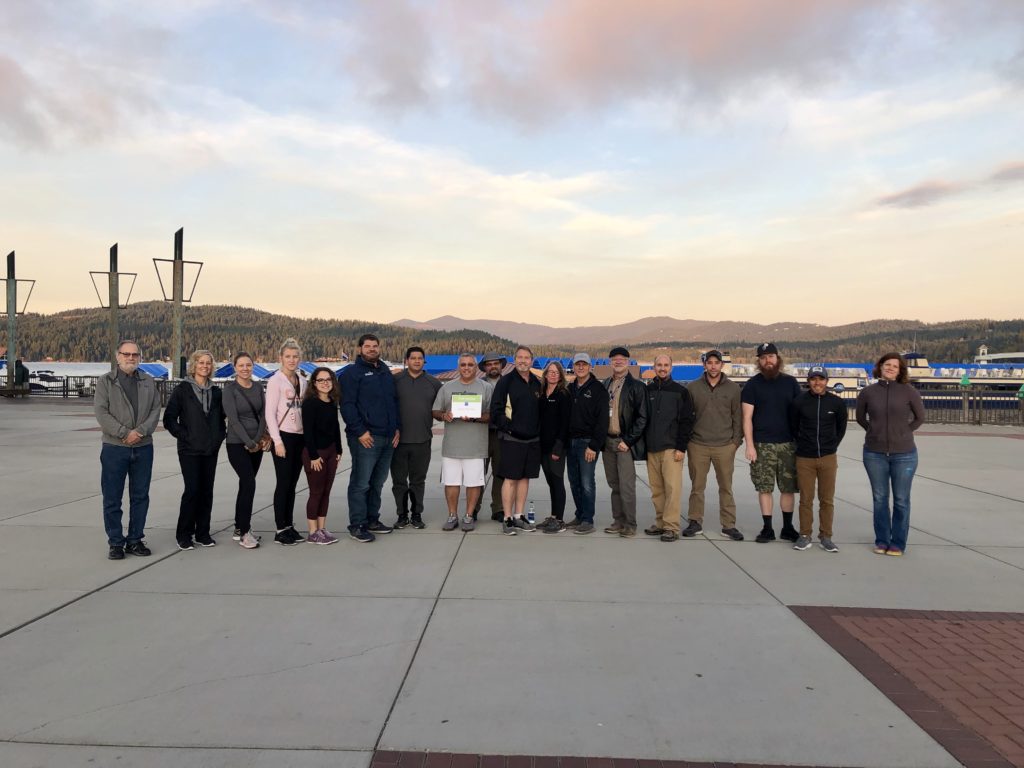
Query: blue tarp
[[155, 370], [227, 370]]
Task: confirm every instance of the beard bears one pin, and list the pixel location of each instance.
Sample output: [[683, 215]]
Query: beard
[[770, 371]]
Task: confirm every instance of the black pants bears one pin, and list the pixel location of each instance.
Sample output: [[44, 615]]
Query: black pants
[[197, 499], [554, 473], [409, 465], [491, 462], [246, 464], [287, 471]]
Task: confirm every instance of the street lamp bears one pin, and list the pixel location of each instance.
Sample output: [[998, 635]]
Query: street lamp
[[113, 301], [177, 295], [12, 313]]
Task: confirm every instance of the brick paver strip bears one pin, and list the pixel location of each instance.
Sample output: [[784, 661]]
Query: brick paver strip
[[383, 759], [958, 674]]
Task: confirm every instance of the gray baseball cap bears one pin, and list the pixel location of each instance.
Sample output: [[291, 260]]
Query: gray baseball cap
[[581, 357]]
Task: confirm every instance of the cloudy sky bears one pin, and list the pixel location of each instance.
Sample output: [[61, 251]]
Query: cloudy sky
[[571, 162]]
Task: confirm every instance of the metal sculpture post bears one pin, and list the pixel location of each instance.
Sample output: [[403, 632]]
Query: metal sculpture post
[[177, 296], [114, 300], [12, 313]]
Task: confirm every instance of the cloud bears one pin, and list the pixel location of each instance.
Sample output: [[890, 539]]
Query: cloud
[[1008, 173], [920, 195]]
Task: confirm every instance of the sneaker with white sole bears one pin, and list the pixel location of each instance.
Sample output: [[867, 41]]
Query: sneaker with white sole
[[802, 543], [827, 545], [468, 523], [248, 541], [450, 524], [508, 527], [328, 537]]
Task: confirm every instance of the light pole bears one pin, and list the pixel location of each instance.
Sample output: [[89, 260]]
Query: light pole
[[12, 313], [177, 295], [113, 300]]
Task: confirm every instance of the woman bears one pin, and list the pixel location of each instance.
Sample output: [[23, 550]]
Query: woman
[[889, 411], [554, 441], [195, 416], [244, 405], [322, 452], [284, 423]]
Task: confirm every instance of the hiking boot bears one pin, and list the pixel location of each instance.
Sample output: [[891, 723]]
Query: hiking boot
[[508, 527], [789, 533], [615, 527], [732, 533], [401, 522], [523, 524], [802, 543], [693, 528], [417, 523], [654, 531], [627, 532], [361, 535], [584, 528], [115, 553], [450, 524], [669, 536], [556, 526], [137, 548], [378, 528], [827, 545], [468, 523], [248, 541], [766, 534]]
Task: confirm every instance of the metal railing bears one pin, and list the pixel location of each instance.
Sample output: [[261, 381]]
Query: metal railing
[[977, 404], [85, 386]]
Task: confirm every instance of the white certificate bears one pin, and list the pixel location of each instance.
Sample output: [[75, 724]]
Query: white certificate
[[467, 406]]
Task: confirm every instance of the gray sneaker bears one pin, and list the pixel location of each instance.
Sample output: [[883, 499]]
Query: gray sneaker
[[584, 528], [508, 527], [804, 542], [468, 523], [827, 545], [450, 524], [523, 524]]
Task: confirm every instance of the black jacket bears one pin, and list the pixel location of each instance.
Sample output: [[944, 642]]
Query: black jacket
[[554, 422], [588, 417], [524, 397], [670, 416], [198, 433], [819, 423], [632, 415]]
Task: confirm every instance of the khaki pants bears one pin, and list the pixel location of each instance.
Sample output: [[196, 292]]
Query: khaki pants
[[620, 471], [700, 459], [823, 472], [665, 475]]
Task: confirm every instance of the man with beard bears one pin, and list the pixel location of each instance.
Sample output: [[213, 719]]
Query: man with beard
[[767, 398], [627, 419], [492, 365], [416, 391], [588, 431], [515, 413]]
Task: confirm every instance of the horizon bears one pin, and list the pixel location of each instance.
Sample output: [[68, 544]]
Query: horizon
[[826, 161]]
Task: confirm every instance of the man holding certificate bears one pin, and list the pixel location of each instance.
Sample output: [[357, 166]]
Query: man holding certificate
[[464, 406]]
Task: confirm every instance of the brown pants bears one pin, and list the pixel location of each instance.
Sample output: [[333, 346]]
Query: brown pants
[[823, 472], [700, 459], [665, 475]]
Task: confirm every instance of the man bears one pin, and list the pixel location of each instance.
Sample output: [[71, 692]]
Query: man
[[627, 419], [818, 420], [373, 429], [766, 400], [416, 391], [492, 365], [670, 419], [588, 432], [515, 413], [717, 435], [464, 446], [127, 406]]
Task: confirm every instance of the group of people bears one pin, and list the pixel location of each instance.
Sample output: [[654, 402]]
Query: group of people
[[515, 426]]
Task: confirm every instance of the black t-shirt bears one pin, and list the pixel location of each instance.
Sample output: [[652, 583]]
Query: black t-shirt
[[771, 399]]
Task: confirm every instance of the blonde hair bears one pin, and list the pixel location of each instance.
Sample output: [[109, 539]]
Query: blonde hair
[[195, 357], [289, 343]]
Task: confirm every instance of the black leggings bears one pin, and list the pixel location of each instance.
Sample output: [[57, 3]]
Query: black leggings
[[246, 464], [554, 473], [287, 471], [198, 472]]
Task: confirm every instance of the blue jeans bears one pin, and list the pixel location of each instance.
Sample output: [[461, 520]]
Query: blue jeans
[[581, 479], [370, 467], [118, 462], [897, 470]]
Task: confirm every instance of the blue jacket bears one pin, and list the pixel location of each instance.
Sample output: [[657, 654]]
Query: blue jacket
[[368, 399]]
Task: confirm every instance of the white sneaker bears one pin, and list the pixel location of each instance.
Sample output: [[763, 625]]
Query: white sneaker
[[248, 541]]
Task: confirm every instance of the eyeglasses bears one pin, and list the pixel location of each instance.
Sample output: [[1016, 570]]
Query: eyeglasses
[[322, 381], [129, 354]]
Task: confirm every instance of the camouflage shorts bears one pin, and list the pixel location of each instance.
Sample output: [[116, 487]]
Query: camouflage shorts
[[776, 464]]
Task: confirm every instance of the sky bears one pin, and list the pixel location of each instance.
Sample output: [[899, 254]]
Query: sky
[[565, 163]]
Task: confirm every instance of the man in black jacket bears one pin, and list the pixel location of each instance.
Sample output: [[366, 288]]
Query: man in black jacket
[[588, 430], [627, 419], [818, 419], [515, 413], [670, 418]]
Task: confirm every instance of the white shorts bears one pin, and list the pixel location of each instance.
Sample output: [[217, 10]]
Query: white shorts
[[467, 472]]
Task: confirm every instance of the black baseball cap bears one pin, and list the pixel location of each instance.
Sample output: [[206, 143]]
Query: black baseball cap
[[711, 353], [767, 349], [619, 351]]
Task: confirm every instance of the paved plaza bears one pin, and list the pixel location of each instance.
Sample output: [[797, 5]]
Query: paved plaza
[[704, 650]]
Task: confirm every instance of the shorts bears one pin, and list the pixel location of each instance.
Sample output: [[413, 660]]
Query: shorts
[[776, 464], [467, 472], [518, 461]]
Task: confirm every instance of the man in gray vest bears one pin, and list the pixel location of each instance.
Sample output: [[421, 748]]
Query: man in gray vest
[[127, 407]]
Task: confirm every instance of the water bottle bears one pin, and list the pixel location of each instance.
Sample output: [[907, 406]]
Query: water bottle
[[531, 516]]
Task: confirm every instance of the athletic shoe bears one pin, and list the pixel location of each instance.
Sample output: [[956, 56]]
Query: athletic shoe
[[328, 537], [137, 548], [401, 522], [468, 523], [285, 539], [298, 537], [789, 533], [615, 527], [508, 527], [237, 535], [654, 531], [205, 541], [523, 524], [669, 536], [185, 544], [556, 526], [574, 523], [361, 535], [115, 553], [417, 523], [627, 532], [894, 552], [693, 528], [543, 526], [378, 528], [315, 538], [248, 541], [766, 534], [584, 528], [879, 549], [802, 543], [450, 524], [731, 533], [827, 545]]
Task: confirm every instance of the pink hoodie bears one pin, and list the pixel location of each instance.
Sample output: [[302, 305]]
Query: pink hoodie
[[284, 412]]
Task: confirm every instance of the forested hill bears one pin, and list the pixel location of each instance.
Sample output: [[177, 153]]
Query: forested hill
[[81, 334]]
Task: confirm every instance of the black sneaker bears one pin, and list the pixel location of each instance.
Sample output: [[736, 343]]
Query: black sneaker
[[205, 541], [362, 535], [766, 534], [285, 539], [732, 533], [555, 526], [378, 528], [693, 528], [401, 522], [185, 545], [789, 533], [137, 548], [417, 523], [297, 537], [115, 553]]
